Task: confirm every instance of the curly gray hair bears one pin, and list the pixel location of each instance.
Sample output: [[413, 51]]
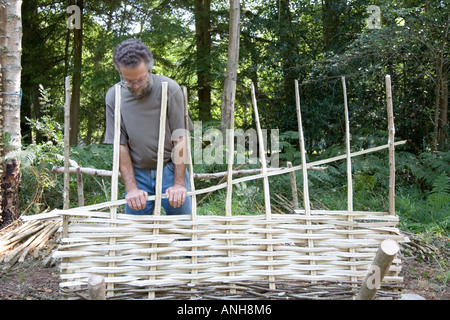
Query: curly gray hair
[[131, 53]]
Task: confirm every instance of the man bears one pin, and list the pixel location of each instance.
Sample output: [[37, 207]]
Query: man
[[140, 115]]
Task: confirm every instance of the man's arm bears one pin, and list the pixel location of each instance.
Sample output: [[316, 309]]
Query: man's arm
[[135, 197]]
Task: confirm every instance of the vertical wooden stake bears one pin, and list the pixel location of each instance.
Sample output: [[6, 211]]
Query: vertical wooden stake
[[302, 152], [116, 150], [262, 156], [305, 174], [160, 163], [188, 157], [80, 187], [230, 160], [349, 159], [349, 178], [391, 128], [115, 178], [293, 187], [66, 154], [159, 175]]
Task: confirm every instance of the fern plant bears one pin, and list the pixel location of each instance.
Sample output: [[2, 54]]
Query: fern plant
[[438, 202], [429, 214]]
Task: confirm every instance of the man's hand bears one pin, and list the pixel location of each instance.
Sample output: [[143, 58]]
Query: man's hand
[[176, 195], [137, 199]]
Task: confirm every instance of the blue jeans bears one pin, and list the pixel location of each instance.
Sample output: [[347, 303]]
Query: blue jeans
[[146, 180]]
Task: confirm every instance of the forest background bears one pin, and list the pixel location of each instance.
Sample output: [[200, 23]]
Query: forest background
[[314, 42]]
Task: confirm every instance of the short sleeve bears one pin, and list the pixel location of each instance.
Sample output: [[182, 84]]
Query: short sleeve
[[175, 109], [109, 119]]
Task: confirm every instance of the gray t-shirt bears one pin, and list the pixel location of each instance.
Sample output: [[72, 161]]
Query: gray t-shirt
[[140, 121]]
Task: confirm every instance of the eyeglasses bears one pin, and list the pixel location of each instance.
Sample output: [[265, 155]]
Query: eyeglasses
[[130, 84]]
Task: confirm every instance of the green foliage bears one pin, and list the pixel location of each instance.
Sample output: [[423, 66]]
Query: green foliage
[[39, 188], [311, 41], [279, 43], [51, 129], [288, 142], [425, 205], [96, 189], [246, 198], [425, 168], [93, 156]]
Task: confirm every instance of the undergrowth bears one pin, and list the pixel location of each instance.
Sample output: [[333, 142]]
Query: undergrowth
[[422, 182]]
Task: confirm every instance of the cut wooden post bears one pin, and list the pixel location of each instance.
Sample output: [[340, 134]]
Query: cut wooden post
[[96, 287], [349, 179], [380, 265], [391, 128], [262, 156], [305, 175], [115, 177], [66, 153], [293, 187]]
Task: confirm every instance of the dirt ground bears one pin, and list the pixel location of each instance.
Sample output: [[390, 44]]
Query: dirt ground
[[31, 280], [426, 279]]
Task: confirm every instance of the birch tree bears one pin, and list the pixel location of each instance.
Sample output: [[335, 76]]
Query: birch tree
[[10, 60]]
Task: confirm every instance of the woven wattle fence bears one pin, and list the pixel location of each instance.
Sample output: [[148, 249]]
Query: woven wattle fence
[[309, 254], [157, 254]]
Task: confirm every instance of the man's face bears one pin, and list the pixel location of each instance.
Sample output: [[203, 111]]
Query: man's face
[[136, 80]]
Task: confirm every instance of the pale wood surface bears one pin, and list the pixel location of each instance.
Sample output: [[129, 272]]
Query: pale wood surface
[[391, 129], [96, 287], [378, 269]]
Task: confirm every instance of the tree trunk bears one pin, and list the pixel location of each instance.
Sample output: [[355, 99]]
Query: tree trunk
[[76, 79], [331, 10], [441, 92], [443, 135], [203, 40], [289, 53], [10, 188], [10, 60], [32, 65], [233, 57], [437, 107]]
